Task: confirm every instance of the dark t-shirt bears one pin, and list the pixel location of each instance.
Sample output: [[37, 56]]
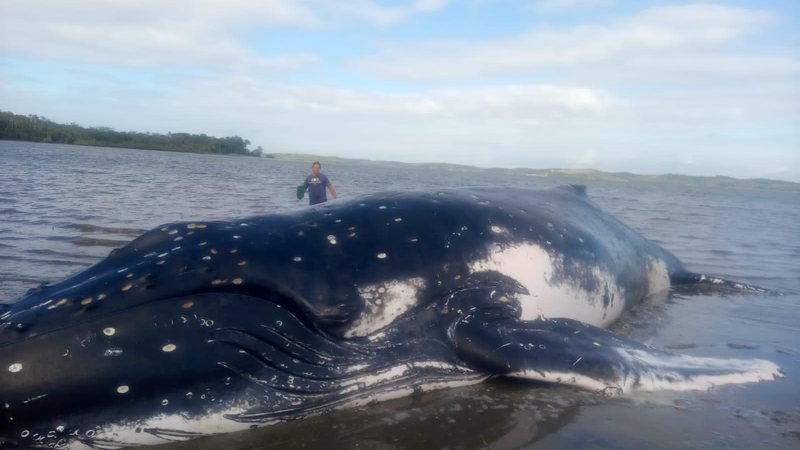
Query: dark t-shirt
[[315, 186]]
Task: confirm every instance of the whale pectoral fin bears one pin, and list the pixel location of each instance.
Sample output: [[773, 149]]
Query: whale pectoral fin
[[570, 352], [716, 285]]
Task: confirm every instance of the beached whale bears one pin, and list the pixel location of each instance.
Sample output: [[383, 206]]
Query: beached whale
[[206, 327]]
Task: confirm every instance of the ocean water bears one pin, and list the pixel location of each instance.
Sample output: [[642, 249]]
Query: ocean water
[[63, 208]]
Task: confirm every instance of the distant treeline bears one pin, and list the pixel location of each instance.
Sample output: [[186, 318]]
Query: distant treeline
[[38, 129]]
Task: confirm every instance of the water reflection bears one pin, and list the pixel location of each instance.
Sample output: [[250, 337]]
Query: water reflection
[[497, 414]]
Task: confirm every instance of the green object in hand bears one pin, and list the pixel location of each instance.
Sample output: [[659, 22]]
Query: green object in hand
[[301, 192]]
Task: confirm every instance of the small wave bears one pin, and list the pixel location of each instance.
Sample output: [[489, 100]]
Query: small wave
[[48, 252], [45, 262], [91, 228], [742, 346], [680, 346], [90, 242], [22, 279]]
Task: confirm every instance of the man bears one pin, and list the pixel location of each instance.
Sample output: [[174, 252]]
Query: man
[[315, 185]]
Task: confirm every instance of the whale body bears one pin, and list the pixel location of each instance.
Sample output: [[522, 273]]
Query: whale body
[[197, 328]]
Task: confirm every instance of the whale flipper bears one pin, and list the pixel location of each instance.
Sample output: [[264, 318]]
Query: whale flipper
[[567, 351], [713, 283]]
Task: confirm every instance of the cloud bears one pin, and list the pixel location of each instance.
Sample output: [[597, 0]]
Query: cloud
[[151, 33], [557, 6], [377, 14], [661, 30]]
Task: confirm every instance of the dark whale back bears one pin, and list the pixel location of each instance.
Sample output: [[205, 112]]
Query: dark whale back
[[301, 255]]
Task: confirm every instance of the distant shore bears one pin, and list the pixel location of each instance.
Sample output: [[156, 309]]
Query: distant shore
[[32, 128], [568, 175]]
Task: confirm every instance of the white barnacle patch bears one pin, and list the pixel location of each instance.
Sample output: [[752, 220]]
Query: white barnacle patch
[[497, 230], [123, 389], [297, 259], [172, 232], [61, 302], [169, 348], [238, 281], [14, 368], [398, 219], [384, 303], [332, 239], [382, 207], [109, 331], [552, 289], [381, 255]]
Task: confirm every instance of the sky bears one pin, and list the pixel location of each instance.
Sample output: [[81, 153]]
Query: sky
[[640, 86]]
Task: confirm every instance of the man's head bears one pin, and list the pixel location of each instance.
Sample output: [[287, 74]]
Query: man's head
[[315, 168]]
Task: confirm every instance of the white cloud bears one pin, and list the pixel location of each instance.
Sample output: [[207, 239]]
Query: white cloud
[[181, 32], [554, 6], [663, 31], [377, 14]]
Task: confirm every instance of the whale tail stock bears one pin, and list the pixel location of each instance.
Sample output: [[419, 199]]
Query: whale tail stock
[[567, 351]]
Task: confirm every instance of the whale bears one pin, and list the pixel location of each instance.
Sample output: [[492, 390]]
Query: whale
[[207, 327]]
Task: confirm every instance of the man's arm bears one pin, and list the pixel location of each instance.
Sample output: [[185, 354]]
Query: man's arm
[[331, 190]]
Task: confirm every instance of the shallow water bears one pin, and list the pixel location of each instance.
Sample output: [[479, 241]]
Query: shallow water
[[63, 208]]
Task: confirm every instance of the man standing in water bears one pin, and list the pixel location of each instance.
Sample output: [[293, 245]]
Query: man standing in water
[[315, 185]]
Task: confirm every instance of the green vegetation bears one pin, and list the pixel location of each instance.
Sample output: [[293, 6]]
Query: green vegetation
[[38, 129]]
